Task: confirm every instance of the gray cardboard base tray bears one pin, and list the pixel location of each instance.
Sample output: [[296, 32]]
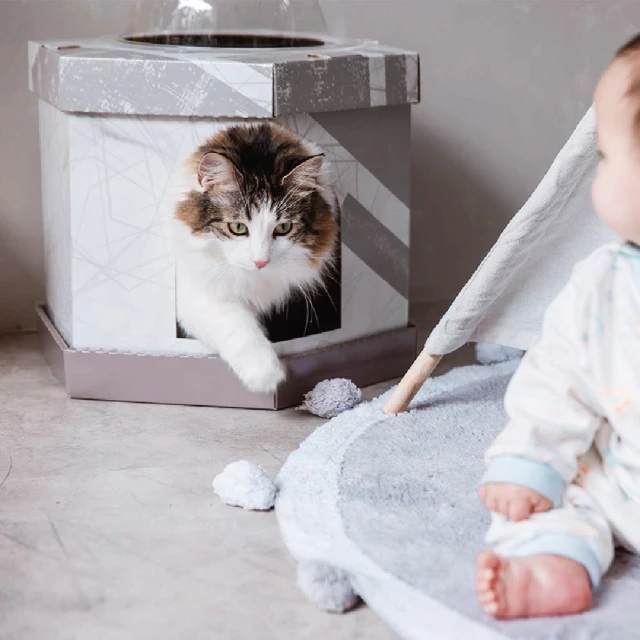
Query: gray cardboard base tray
[[208, 381]]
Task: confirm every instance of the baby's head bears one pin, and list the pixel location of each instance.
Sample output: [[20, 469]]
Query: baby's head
[[616, 188]]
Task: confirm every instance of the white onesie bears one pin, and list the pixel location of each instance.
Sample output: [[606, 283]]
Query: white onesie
[[574, 420]]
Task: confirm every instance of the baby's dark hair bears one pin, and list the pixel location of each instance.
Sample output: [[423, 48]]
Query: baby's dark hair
[[630, 50], [633, 46]]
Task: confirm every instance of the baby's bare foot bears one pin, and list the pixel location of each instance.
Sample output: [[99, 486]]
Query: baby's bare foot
[[542, 585]]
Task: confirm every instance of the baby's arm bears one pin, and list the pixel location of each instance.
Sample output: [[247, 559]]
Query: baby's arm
[[549, 404]]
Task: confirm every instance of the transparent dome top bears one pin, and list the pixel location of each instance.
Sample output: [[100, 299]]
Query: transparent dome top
[[243, 24]]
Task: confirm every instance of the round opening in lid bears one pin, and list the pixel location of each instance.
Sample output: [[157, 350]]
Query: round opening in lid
[[226, 40], [232, 24]]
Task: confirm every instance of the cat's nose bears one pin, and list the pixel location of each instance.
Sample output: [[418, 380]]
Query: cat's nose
[[261, 264]]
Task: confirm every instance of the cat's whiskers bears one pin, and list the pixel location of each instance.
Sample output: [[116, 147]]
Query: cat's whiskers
[[308, 305], [243, 196], [286, 203], [328, 272], [307, 288], [320, 284], [284, 207]]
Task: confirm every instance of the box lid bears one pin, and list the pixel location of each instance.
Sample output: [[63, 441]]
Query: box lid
[[114, 76]]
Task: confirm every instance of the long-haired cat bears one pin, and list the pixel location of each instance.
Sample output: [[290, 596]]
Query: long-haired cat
[[258, 224]]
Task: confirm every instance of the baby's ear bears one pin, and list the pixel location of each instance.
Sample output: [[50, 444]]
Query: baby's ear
[[216, 172], [305, 176]]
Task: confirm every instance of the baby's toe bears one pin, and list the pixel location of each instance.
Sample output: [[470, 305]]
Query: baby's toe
[[487, 583], [485, 576], [482, 584], [492, 609], [488, 561], [486, 597]]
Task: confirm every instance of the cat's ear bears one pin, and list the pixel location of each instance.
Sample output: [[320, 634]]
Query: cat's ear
[[306, 175], [216, 172]]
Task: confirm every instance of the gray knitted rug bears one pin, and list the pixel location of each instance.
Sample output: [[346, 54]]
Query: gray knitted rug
[[390, 501]]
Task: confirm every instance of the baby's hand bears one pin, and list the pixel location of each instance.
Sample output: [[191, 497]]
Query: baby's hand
[[513, 500]]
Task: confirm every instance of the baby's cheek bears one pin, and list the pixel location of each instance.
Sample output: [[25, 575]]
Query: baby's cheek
[[601, 196], [612, 207]]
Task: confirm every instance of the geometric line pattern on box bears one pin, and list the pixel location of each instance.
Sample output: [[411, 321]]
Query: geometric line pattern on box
[[387, 154], [373, 243]]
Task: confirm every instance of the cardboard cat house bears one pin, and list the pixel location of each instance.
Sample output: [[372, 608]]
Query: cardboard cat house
[[119, 116]]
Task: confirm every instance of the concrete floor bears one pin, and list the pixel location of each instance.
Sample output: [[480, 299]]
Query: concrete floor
[[109, 527]]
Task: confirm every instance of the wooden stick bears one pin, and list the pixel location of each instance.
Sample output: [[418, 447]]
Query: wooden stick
[[417, 375]]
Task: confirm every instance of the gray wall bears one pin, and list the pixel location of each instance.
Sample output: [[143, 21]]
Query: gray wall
[[503, 84]]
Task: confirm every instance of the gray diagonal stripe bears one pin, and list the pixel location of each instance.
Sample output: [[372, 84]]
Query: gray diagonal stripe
[[267, 72], [387, 154], [375, 245]]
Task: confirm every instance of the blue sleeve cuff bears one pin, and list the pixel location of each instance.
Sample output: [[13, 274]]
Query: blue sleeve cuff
[[538, 476]]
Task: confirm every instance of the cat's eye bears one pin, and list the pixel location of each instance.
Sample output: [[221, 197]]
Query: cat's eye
[[283, 229], [238, 228]]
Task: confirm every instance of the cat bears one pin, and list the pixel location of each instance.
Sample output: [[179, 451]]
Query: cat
[[258, 223]]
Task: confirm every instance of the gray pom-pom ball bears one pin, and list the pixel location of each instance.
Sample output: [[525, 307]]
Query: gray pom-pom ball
[[327, 587], [245, 484], [331, 397], [495, 353]]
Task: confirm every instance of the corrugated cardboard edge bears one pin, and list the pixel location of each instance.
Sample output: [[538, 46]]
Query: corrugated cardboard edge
[[208, 381]]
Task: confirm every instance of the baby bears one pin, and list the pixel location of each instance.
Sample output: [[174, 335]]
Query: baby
[[563, 478]]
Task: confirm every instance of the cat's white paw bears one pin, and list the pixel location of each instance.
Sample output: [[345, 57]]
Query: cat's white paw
[[260, 370]]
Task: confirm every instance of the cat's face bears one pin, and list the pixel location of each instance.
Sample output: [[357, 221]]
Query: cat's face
[[262, 201]]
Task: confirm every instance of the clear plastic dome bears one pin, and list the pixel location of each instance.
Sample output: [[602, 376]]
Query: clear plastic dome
[[242, 24]]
